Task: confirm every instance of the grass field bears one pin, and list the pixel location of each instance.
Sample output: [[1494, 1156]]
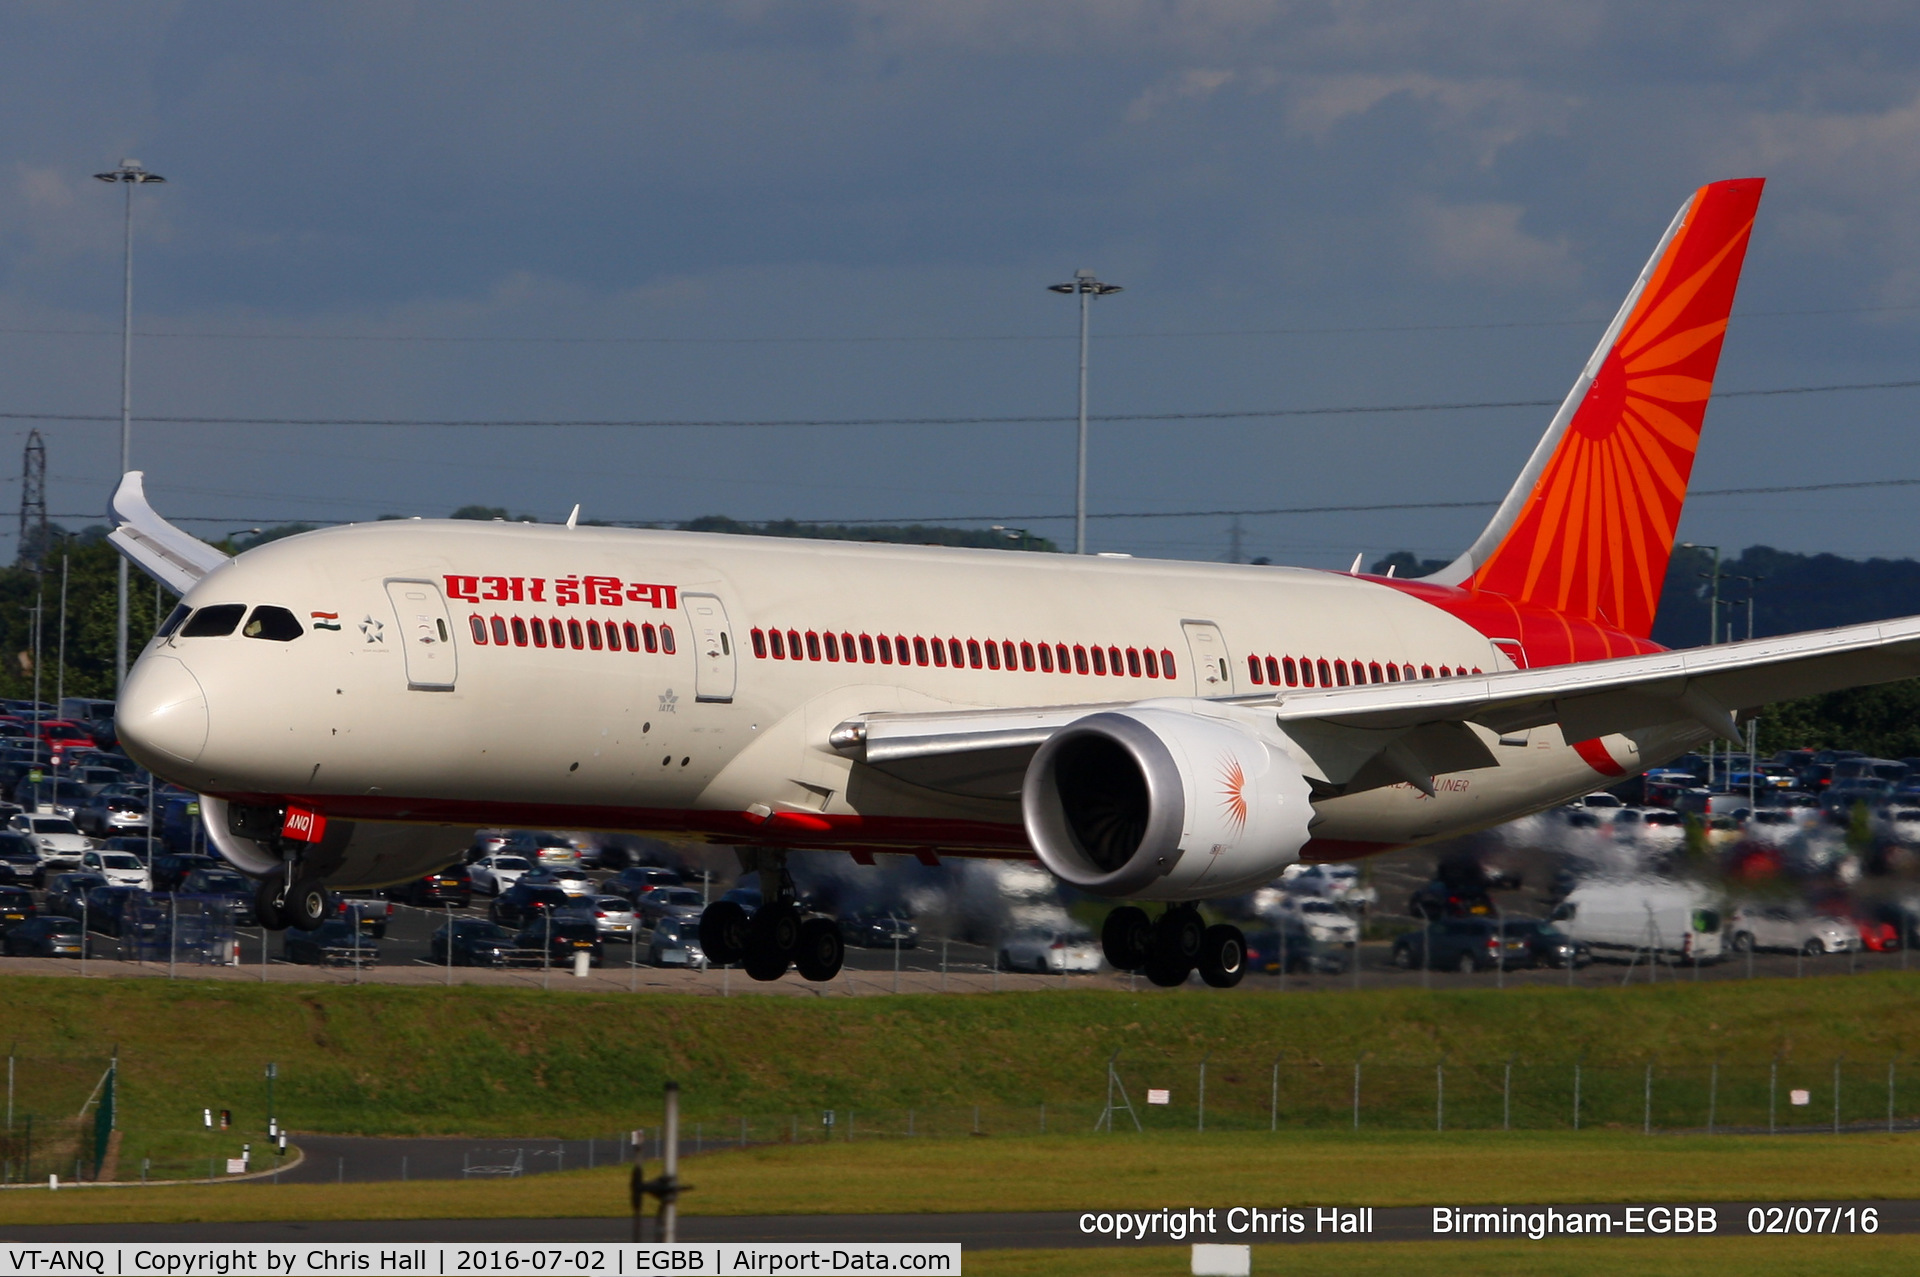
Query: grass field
[[1088, 1172], [387, 1060]]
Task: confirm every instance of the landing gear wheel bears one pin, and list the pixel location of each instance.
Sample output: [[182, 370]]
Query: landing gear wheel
[[1223, 956], [269, 903], [776, 927], [309, 904], [723, 932], [821, 949], [1127, 938], [764, 964], [1175, 947]]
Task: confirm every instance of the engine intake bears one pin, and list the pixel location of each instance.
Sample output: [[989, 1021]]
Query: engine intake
[[1163, 804]]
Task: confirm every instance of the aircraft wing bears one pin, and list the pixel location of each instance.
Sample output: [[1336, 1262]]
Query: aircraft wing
[[1417, 729], [174, 558]]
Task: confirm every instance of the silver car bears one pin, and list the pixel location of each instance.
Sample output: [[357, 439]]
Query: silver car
[[674, 941], [493, 874], [613, 915], [1050, 951]]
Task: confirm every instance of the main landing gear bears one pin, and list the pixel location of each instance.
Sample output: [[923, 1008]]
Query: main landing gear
[[292, 900], [1171, 947], [777, 935]]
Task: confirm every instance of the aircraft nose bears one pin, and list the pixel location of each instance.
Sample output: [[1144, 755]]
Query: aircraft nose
[[163, 710]]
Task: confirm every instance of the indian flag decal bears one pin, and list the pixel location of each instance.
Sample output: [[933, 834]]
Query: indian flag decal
[[325, 620]]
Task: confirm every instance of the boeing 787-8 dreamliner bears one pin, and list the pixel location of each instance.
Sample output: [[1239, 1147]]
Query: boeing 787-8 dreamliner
[[353, 702]]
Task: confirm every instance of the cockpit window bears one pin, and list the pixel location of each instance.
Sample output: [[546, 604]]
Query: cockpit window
[[274, 623], [217, 621], [173, 620]]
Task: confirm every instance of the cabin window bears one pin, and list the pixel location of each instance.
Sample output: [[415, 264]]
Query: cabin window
[[666, 639], [576, 636], [1133, 662], [1393, 673], [173, 620], [1026, 657], [959, 653], [651, 639], [832, 646], [276, 624], [1046, 658], [1373, 672], [1326, 674], [1340, 673], [973, 654], [847, 648], [759, 639], [940, 653], [539, 631], [633, 638], [776, 644], [886, 650], [919, 650], [478, 625], [499, 624], [813, 645], [900, 650], [1148, 659], [1065, 660], [519, 632], [1290, 671], [593, 635], [217, 621], [1253, 669], [1113, 660], [866, 648], [993, 655], [613, 637], [1426, 671], [1099, 661], [1166, 663], [1445, 672]]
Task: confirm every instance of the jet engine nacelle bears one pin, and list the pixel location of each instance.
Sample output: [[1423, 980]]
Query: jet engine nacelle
[[1163, 804], [350, 854]]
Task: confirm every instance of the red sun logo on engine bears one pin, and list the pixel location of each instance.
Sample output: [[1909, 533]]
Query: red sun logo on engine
[[1233, 795]]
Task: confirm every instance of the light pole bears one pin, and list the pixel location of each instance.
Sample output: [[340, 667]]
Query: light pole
[[1087, 287], [1713, 605], [130, 174]]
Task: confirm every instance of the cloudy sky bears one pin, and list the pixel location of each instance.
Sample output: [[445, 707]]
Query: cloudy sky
[[846, 210]]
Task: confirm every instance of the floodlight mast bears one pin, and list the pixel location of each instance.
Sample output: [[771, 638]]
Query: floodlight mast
[[130, 174], [1087, 286]]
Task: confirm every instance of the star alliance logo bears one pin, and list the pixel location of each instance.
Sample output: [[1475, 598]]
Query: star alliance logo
[[668, 701], [372, 629]]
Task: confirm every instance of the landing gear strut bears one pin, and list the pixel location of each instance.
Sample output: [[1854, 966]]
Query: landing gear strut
[[1171, 947]]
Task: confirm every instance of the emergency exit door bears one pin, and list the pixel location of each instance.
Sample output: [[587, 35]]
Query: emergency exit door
[[425, 633], [1212, 671], [713, 654]]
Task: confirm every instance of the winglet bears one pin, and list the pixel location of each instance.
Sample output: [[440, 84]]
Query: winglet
[[174, 558], [1589, 525]]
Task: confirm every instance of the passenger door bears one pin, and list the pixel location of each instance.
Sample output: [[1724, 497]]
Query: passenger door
[[714, 669], [1212, 670], [426, 634]]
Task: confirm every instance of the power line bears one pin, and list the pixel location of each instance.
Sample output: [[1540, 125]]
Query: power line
[[1246, 414], [164, 334]]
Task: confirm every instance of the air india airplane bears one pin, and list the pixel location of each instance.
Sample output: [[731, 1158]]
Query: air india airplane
[[353, 702]]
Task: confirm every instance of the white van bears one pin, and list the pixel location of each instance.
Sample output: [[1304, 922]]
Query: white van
[[1672, 918]]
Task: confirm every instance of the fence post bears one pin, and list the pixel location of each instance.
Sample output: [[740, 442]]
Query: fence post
[[1356, 1089], [1440, 1095], [1576, 1095], [1713, 1093], [1506, 1094], [1202, 1129], [1773, 1092], [1836, 1091], [1890, 1063], [1273, 1103], [1646, 1109]]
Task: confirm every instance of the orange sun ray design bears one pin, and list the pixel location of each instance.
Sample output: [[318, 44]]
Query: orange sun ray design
[[1234, 792]]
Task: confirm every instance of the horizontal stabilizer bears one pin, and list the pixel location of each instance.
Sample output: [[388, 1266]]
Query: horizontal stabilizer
[[174, 558]]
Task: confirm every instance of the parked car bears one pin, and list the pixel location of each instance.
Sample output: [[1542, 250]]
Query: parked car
[[219, 882], [67, 892], [1439, 900], [1307, 920], [1548, 946], [1331, 882], [16, 906], [1790, 928], [476, 943], [450, 886], [44, 938], [613, 915], [572, 881], [522, 902], [107, 908], [120, 868], [494, 873], [675, 942], [112, 811], [1273, 951], [1464, 945], [334, 943], [879, 931], [54, 837], [1050, 949], [560, 937], [632, 881], [371, 913], [170, 870], [22, 860], [550, 851], [660, 901], [52, 797], [1675, 919]]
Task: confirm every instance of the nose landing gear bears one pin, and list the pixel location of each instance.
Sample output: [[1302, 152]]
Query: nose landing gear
[[304, 903], [1171, 947]]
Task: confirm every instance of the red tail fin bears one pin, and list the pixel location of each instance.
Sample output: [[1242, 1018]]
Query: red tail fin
[[1588, 528]]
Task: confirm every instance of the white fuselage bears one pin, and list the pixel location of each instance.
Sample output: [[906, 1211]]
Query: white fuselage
[[401, 714]]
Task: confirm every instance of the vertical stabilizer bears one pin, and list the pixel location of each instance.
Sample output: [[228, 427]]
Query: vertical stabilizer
[[1589, 525]]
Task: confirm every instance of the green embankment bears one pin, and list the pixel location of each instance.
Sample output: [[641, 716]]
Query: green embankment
[[387, 1060]]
